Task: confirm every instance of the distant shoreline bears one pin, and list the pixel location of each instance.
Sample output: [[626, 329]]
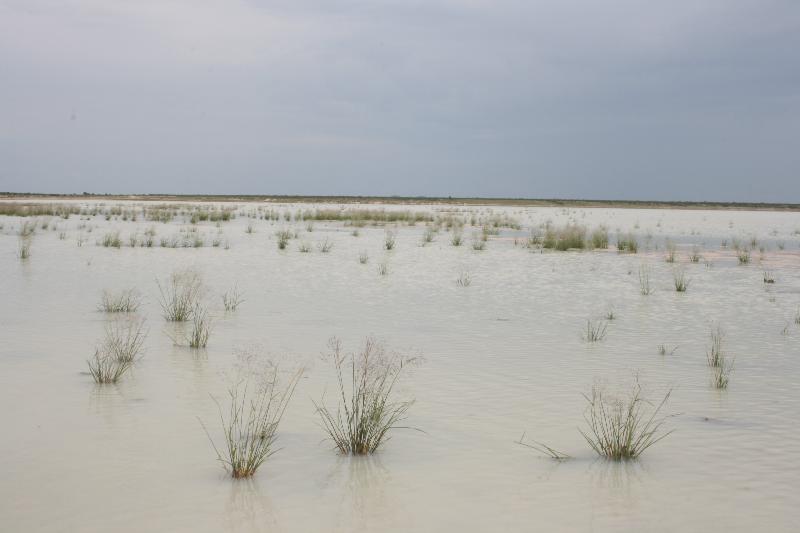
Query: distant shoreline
[[521, 202]]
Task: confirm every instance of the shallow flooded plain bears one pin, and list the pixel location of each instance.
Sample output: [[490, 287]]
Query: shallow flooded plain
[[500, 334]]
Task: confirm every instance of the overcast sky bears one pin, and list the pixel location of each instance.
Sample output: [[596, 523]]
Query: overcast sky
[[677, 100]]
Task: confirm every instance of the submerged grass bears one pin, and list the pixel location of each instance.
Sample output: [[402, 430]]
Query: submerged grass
[[623, 428], [366, 410]]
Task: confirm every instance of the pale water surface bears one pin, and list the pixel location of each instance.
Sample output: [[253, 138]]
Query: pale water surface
[[502, 356]]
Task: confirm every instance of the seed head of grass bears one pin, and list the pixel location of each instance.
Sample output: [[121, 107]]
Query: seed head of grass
[[366, 410], [623, 428]]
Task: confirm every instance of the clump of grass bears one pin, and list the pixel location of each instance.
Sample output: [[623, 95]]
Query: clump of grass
[[106, 369], [797, 317], [478, 244], [383, 268], [232, 299], [283, 238], [249, 229], [325, 246], [744, 256], [663, 349], [24, 246], [111, 240], [366, 410], [715, 354], [251, 426], [457, 238], [610, 314], [179, 296], [125, 301], [304, 247], [464, 279], [694, 255], [623, 428], [680, 280], [644, 280], [671, 252], [124, 339], [595, 330], [599, 238], [569, 237], [389, 240], [201, 328], [627, 244], [720, 375], [118, 351], [768, 277], [427, 236], [363, 258]]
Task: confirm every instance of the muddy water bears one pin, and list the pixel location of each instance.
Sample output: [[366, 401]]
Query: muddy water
[[501, 357]]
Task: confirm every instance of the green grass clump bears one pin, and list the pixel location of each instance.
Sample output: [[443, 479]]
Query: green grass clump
[[568, 237], [179, 295], [250, 428], [125, 301], [120, 348], [111, 240], [457, 238], [721, 368], [644, 280], [595, 330], [680, 280], [366, 410], [743, 255], [599, 238], [627, 244], [232, 299], [623, 428], [389, 240], [283, 238]]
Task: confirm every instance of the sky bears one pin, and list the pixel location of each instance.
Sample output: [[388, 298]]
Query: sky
[[628, 99]]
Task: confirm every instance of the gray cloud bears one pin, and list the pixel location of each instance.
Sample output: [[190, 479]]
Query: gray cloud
[[683, 100]]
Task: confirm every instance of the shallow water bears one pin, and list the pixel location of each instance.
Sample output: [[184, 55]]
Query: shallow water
[[501, 357]]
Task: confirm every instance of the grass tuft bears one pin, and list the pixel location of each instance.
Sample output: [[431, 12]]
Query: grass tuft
[[680, 280], [366, 410], [180, 295], [125, 301], [232, 299], [623, 428], [595, 330], [251, 426]]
